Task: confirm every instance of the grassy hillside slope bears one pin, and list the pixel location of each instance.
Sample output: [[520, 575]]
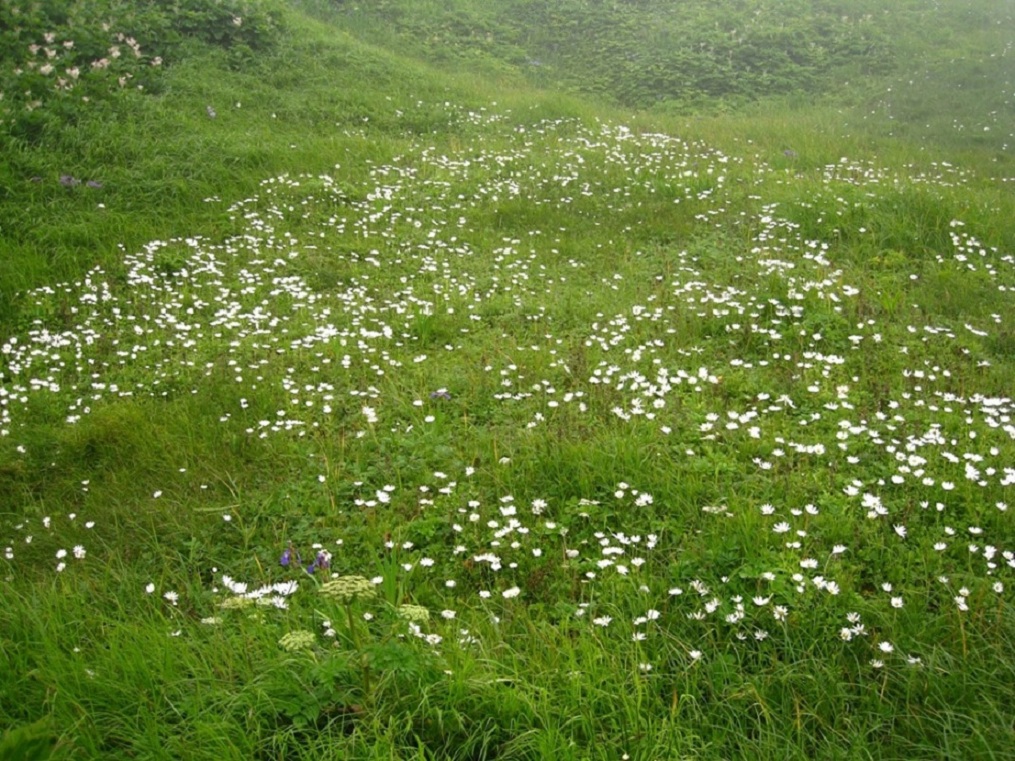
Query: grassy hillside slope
[[361, 399], [940, 70]]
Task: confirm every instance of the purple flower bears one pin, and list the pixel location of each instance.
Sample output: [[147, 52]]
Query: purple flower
[[440, 394], [322, 561], [69, 181], [288, 555]]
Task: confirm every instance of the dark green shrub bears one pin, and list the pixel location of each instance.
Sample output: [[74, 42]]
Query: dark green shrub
[[59, 57]]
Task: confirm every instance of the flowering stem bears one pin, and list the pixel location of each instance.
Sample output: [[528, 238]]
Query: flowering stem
[[1000, 612], [364, 660], [352, 626]]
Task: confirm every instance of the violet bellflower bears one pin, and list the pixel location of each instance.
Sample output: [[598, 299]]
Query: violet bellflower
[[288, 555], [322, 561]]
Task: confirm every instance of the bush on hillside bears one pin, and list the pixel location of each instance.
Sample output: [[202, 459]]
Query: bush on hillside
[[58, 57]]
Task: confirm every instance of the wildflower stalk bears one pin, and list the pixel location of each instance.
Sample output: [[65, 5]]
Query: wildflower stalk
[[363, 658], [639, 687], [346, 590], [352, 626], [392, 585], [1000, 614], [330, 491]]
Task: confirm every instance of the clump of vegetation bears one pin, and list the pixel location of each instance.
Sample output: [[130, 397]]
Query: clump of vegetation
[[60, 59]]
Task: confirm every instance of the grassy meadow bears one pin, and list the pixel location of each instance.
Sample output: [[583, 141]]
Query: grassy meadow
[[501, 381]]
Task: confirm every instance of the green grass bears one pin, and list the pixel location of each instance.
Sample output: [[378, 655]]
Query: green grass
[[690, 428]]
